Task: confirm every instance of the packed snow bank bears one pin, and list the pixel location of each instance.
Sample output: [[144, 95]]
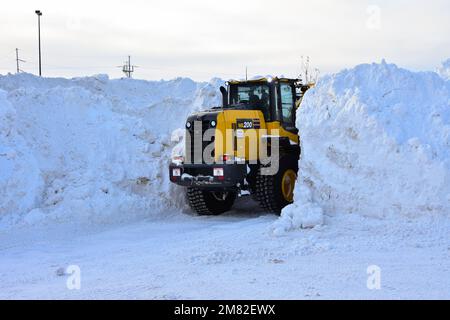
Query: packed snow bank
[[376, 141], [90, 149], [444, 70]]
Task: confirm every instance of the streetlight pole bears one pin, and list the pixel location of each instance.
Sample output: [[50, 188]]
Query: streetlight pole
[[39, 14], [17, 60]]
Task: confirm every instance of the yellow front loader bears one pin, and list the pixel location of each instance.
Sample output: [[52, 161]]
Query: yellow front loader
[[249, 145]]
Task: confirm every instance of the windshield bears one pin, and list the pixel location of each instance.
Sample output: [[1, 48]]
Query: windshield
[[253, 95]]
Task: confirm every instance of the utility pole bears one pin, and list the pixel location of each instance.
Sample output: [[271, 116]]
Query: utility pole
[[39, 14], [246, 73], [18, 60], [127, 68]]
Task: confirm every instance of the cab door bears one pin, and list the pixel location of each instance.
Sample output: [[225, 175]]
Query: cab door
[[287, 106]]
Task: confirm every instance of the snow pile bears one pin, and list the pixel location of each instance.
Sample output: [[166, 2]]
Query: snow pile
[[20, 183], [444, 70], [376, 142], [90, 149]]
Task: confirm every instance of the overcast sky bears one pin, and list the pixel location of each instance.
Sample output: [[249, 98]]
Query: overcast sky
[[204, 38]]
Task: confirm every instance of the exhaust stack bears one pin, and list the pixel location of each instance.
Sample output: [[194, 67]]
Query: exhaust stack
[[224, 96]]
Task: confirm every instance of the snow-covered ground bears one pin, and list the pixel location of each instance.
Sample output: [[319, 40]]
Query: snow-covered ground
[[84, 182], [235, 256]]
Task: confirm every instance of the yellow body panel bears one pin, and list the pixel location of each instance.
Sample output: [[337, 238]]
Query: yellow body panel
[[245, 143], [226, 137], [275, 125]]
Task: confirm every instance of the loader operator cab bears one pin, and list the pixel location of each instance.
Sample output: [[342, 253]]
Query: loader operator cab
[[275, 98]]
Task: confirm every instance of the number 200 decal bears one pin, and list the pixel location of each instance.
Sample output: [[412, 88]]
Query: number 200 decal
[[244, 123]]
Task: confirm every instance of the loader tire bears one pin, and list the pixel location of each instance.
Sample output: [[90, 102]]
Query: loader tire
[[274, 192], [205, 202]]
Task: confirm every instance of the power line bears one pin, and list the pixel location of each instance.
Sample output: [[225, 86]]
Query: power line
[[179, 70], [18, 70]]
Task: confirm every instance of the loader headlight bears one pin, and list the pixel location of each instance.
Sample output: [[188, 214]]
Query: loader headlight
[[188, 125], [213, 123]]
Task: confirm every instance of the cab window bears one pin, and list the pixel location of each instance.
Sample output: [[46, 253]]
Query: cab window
[[252, 95], [287, 103]]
